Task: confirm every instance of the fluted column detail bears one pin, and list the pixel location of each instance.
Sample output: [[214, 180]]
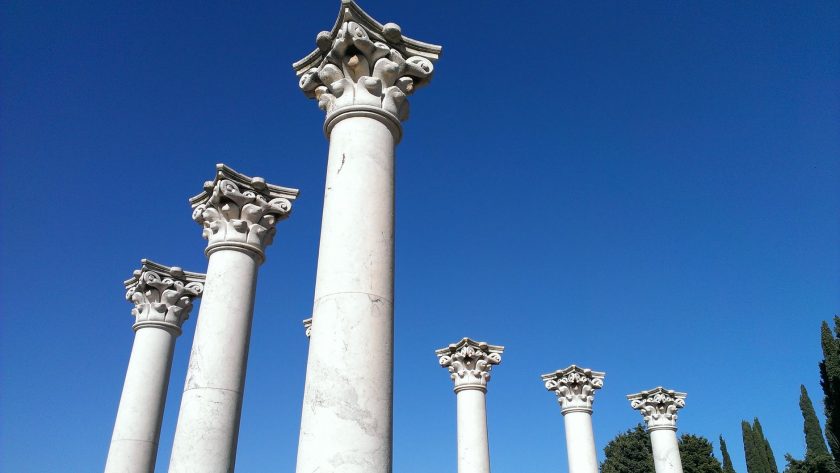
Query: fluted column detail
[[658, 408], [360, 73], [575, 389], [238, 215], [469, 364], [162, 298]]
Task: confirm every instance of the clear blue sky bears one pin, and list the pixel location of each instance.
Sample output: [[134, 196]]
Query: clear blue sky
[[644, 188]]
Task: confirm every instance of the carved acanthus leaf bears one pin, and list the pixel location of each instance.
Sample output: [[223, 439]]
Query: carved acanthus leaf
[[238, 209], [362, 62], [575, 387], [162, 294], [469, 362], [658, 407]]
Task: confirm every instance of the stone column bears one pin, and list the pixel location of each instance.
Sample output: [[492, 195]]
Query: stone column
[[239, 214], [659, 407], [360, 74], [469, 363], [575, 388], [162, 298]]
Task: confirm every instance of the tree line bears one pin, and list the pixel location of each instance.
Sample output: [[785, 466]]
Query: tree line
[[630, 451]]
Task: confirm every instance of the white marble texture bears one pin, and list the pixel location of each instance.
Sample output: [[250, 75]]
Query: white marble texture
[[659, 408], [575, 389], [360, 74], [238, 214], [469, 364], [162, 298]]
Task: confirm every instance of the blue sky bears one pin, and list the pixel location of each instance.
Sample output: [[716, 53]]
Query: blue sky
[[644, 188]]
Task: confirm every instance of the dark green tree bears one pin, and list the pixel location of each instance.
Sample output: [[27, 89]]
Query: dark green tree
[[697, 455], [757, 451], [817, 459], [727, 461], [830, 382], [629, 452], [768, 452], [754, 452], [814, 441], [824, 464]]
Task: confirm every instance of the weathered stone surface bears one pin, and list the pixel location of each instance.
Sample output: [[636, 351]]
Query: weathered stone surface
[[162, 298]]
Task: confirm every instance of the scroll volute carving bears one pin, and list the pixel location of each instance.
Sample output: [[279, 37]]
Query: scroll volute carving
[[362, 62], [470, 362], [162, 294]]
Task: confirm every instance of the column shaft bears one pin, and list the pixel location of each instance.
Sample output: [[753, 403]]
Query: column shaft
[[208, 422], [473, 449], [346, 423], [666, 451], [580, 442], [134, 442]]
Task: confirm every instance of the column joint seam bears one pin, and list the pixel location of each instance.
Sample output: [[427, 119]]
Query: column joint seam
[[354, 292], [211, 387]]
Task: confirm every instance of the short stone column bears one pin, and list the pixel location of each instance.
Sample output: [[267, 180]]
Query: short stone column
[[238, 214], [162, 298], [360, 74], [469, 363], [575, 388], [659, 408]]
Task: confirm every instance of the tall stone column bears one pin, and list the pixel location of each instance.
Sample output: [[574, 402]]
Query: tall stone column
[[575, 388], [238, 214], [360, 74], [469, 363], [162, 298], [659, 407]]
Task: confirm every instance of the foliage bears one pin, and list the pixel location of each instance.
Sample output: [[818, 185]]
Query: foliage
[[814, 441], [820, 464], [629, 452], [727, 460], [817, 459], [830, 382], [759, 455], [697, 455]]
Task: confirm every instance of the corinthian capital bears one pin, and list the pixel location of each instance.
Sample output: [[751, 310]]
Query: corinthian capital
[[575, 387], [240, 212], [361, 62], [307, 327], [470, 362], [658, 406], [162, 295]]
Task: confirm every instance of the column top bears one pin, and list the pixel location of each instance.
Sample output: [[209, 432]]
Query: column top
[[365, 65], [240, 212], [575, 387], [162, 295], [470, 362], [658, 407]]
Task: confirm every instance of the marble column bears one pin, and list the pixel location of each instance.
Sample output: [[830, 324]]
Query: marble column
[[469, 364], [360, 73], [659, 407], [238, 214], [162, 298], [575, 388]]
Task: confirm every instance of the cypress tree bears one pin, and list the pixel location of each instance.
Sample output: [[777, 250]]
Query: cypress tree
[[761, 443], [727, 461], [756, 462], [814, 442], [830, 382]]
